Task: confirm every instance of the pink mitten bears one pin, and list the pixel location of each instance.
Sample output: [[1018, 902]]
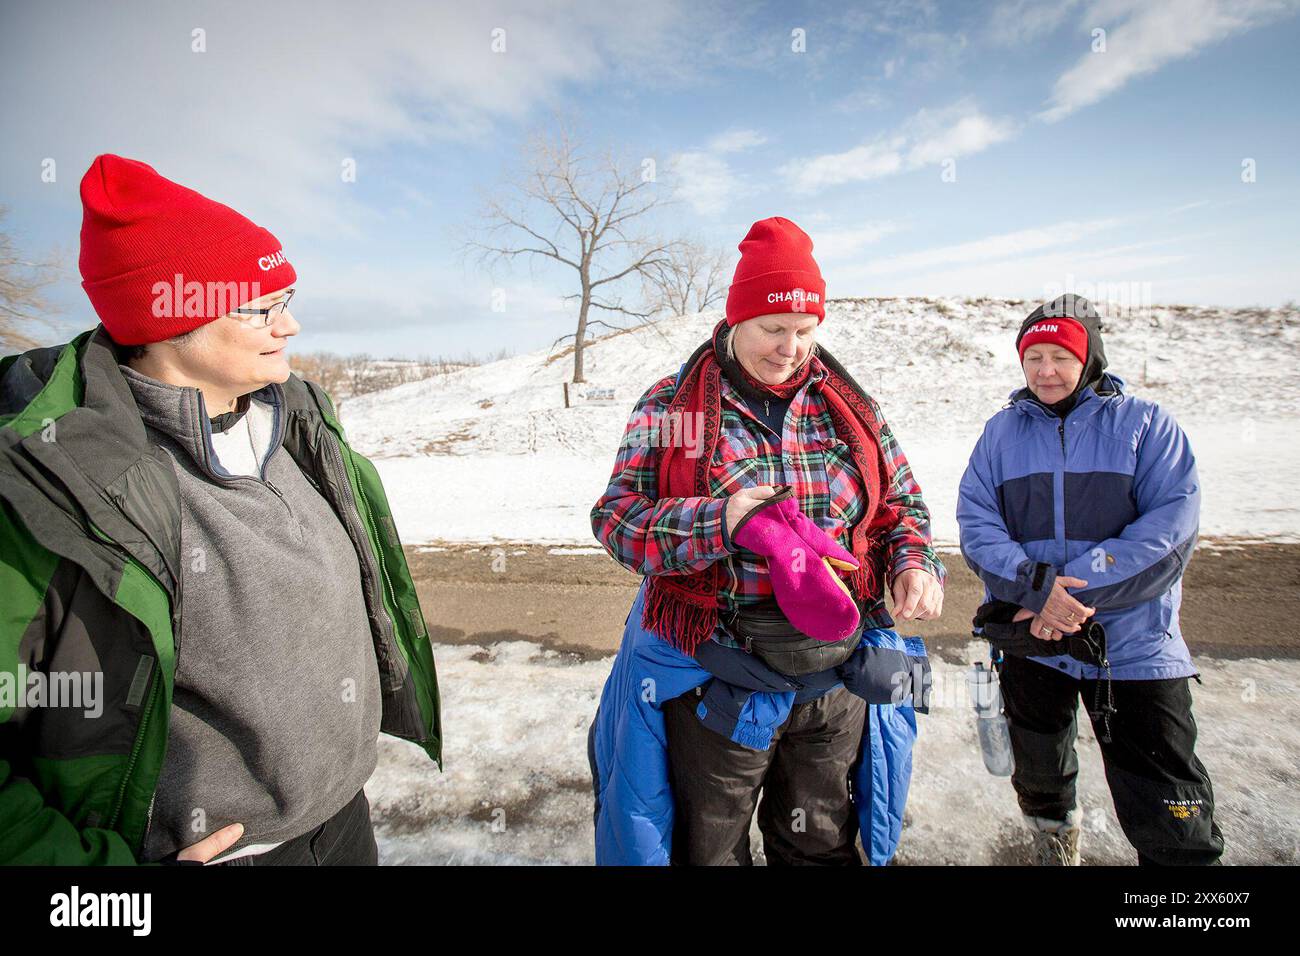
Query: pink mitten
[[799, 560], [827, 548]]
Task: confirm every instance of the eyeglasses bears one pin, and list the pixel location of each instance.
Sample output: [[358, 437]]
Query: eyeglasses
[[261, 318]]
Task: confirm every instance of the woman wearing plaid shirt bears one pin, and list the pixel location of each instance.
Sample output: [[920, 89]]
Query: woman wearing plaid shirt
[[756, 407]]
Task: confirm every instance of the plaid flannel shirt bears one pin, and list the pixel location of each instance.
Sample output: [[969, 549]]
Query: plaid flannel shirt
[[650, 535]]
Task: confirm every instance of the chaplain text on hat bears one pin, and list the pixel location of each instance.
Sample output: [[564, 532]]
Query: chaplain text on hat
[[159, 260], [776, 273], [1065, 332]]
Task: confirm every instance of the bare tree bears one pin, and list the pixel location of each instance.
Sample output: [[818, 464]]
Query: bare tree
[[325, 369], [346, 377], [690, 279], [358, 369], [22, 302], [591, 215]]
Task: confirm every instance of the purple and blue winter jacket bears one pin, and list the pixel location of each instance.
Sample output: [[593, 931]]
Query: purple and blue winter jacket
[[1109, 494]]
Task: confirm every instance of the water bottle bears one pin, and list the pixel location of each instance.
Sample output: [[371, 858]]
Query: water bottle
[[995, 736]]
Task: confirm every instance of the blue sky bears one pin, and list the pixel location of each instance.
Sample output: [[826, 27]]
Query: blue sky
[[1114, 170]]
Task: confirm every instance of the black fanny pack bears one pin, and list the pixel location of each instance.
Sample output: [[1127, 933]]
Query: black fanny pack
[[763, 630], [994, 624]]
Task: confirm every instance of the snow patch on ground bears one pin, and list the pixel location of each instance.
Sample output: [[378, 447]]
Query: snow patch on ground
[[517, 787]]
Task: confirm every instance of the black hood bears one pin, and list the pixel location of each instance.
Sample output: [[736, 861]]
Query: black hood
[[1071, 306]]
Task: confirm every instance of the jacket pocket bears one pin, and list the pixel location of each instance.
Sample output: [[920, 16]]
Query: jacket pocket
[[1162, 613], [842, 480], [740, 462]]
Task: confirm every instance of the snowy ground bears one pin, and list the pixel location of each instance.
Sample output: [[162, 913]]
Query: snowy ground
[[1248, 487], [490, 453], [517, 788]]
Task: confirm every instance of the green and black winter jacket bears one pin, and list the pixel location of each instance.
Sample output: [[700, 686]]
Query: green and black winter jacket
[[90, 580]]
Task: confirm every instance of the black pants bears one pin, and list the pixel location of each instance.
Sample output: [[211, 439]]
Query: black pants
[[807, 814], [1163, 797], [345, 839]]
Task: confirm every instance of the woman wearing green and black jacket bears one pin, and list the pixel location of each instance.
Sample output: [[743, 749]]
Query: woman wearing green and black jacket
[[186, 534]]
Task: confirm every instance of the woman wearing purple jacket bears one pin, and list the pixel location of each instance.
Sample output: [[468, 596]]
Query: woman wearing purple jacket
[[1079, 512]]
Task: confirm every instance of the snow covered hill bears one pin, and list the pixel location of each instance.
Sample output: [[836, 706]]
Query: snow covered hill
[[490, 453]]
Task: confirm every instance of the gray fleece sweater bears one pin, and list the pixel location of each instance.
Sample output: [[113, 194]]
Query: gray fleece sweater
[[277, 705]]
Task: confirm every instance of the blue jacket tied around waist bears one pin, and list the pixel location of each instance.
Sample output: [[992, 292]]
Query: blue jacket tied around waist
[[746, 701], [1110, 495]]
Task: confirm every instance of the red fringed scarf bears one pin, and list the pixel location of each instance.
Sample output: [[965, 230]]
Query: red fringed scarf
[[683, 609]]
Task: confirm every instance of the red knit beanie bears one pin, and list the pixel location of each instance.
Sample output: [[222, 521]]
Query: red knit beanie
[[159, 260], [1067, 333], [776, 273]]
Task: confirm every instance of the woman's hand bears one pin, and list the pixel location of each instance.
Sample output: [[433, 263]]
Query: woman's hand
[[1036, 626], [1062, 614], [743, 502], [214, 844], [918, 596]]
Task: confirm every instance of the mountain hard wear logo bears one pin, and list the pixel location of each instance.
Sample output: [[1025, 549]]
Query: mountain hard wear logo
[[1183, 809]]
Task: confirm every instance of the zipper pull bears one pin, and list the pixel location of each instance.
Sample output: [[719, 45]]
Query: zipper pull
[[767, 408]]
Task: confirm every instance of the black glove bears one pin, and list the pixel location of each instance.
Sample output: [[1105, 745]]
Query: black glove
[[993, 622]]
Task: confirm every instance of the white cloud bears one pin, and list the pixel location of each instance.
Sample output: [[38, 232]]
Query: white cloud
[[838, 244], [1034, 277], [419, 307], [1015, 22], [705, 180], [1029, 263], [1144, 35], [286, 91], [1001, 246], [953, 133], [735, 140], [868, 161], [865, 98], [1176, 266], [929, 136]]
